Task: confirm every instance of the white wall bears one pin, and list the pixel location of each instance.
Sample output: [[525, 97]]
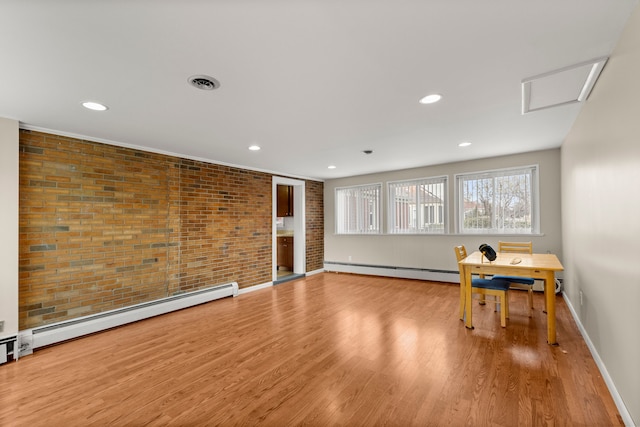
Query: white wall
[[9, 228], [436, 251], [601, 216]]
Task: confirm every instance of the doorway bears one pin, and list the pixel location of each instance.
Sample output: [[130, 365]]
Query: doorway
[[292, 227]]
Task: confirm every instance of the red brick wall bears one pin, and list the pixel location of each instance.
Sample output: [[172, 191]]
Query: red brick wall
[[104, 227], [225, 215], [314, 224]]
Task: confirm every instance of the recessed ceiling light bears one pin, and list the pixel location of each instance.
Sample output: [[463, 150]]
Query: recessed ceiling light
[[331, 167], [254, 147], [94, 106], [464, 144], [430, 99]]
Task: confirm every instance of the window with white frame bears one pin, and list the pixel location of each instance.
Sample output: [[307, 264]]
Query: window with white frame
[[358, 209], [418, 206], [501, 201]]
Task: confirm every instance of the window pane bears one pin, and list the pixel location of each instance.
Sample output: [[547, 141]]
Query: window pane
[[417, 206], [499, 201], [358, 209]]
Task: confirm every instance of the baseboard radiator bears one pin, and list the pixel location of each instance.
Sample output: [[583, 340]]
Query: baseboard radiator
[[31, 339], [411, 273], [393, 271], [7, 349]]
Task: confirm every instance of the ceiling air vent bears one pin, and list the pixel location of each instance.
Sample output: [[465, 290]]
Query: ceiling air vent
[[204, 82]]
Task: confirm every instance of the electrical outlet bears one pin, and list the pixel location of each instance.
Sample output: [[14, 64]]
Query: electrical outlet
[[580, 297], [349, 258], [1, 325]]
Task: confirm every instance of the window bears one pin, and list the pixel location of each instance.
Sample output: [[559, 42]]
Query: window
[[418, 206], [500, 201], [358, 209]]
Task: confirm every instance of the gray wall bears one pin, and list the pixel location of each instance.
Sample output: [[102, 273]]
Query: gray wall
[[601, 216], [9, 229], [436, 251]]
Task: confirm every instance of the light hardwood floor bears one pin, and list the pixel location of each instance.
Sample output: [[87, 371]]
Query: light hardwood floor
[[330, 349]]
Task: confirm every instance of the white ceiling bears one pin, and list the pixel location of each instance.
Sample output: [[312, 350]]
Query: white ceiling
[[313, 82]]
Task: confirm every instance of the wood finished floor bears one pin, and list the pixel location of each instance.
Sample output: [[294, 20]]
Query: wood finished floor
[[330, 349]]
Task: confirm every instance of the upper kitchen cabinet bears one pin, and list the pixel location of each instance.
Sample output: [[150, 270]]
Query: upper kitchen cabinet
[[285, 200]]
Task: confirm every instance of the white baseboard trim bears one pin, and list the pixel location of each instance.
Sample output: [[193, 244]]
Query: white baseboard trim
[[269, 284], [399, 272], [624, 413], [318, 271], [254, 288]]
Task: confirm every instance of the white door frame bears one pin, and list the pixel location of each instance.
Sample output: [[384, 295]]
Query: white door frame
[[299, 233]]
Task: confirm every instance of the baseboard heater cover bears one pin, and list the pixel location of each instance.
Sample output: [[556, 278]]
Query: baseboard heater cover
[[411, 273], [7, 348], [394, 271], [57, 332]]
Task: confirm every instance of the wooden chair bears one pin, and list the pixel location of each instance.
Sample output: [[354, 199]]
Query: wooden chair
[[515, 247], [518, 282], [497, 288]]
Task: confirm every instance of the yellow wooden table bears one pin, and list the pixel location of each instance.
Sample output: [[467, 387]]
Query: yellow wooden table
[[538, 266]]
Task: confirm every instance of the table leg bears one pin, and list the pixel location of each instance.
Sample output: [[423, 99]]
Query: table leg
[[550, 300], [467, 297], [462, 295]]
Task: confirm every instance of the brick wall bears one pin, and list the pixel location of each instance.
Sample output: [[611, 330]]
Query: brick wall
[[314, 224], [104, 227]]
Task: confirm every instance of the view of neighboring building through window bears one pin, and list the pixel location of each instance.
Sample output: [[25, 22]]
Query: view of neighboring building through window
[[503, 201], [499, 201], [417, 206], [358, 209]]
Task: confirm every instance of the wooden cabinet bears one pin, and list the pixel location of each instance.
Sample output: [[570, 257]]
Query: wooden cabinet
[[285, 200], [285, 252]]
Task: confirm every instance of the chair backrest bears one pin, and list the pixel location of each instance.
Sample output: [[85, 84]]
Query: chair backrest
[[515, 247], [461, 252]]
